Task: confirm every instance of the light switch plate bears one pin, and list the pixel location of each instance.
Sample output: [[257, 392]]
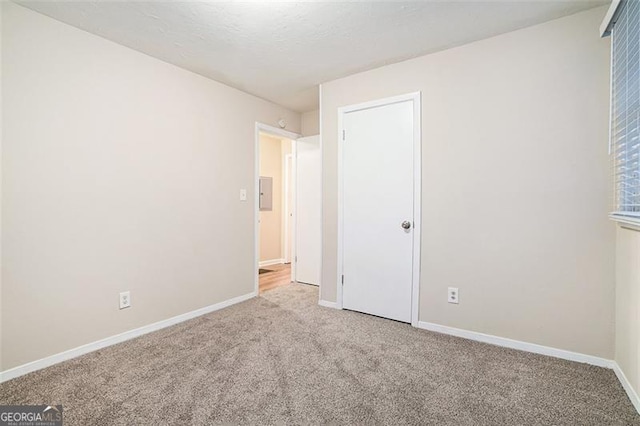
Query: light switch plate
[[243, 195]]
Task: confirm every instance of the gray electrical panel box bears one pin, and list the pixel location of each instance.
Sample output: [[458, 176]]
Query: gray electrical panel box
[[266, 193]]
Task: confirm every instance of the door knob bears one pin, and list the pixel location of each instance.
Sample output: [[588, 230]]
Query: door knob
[[406, 224]]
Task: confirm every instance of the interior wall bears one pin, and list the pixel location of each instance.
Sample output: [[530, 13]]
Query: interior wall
[[119, 172], [515, 182], [310, 123], [628, 304], [271, 247]]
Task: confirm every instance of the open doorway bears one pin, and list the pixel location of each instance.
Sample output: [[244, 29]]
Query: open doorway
[[275, 202], [288, 208]]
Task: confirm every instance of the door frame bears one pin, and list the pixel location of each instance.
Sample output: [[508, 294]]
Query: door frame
[[275, 131], [287, 208], [415, 97]]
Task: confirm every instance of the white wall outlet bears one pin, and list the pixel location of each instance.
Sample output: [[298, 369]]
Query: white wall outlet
[[452, 295], [125, 299], [243, 195]]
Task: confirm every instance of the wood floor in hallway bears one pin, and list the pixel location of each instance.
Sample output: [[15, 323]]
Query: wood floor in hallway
[[280, 276]]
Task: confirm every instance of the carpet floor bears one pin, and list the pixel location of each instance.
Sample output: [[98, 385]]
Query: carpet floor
[[282, 359]]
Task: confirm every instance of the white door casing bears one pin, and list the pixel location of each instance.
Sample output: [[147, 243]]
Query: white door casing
[[260, 127], [379, 176]]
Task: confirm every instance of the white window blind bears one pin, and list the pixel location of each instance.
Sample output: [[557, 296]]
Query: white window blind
[[625, 109]]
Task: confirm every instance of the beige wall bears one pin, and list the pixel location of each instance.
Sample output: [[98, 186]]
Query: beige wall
[[628, 304], [120, 172], [515, 186], [310, 123], [271, 221]]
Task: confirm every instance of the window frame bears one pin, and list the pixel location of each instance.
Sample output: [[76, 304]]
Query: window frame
[[626, 218]]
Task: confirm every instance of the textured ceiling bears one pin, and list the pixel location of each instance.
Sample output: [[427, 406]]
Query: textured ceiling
[[281, 51]]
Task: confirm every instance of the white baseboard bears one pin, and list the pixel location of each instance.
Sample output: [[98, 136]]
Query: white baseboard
[[118, 338], [270, 262], [471, 335], [327, 304], [631, 393], [517, 344], [539, 349]]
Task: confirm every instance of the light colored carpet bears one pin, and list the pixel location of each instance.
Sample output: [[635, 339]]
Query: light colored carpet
[[282, 359]]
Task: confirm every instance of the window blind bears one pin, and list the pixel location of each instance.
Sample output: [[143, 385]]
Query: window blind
[[625, 109]]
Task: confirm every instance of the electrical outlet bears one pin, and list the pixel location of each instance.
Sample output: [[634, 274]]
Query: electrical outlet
[[125, 299], [452, 295]]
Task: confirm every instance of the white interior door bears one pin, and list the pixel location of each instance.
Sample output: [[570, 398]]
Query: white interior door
[[378, 210], [308, 210], [288, 210]]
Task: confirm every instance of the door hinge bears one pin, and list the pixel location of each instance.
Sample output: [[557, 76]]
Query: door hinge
[[343, 280], [343, 135]]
